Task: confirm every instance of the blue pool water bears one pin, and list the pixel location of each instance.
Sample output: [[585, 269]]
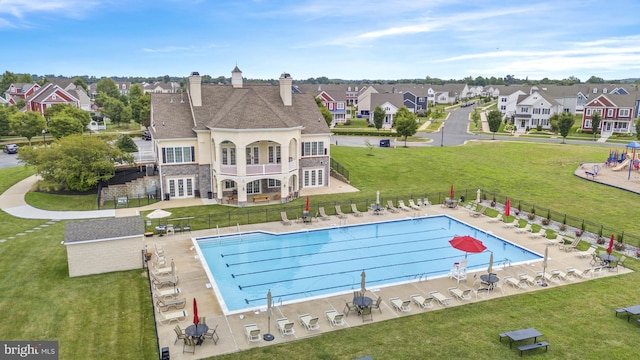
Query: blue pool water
[[300, 265]]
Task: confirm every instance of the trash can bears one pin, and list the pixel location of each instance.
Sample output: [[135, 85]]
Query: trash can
[[209, 195], [165, 354], [166, 196], [462, 198]]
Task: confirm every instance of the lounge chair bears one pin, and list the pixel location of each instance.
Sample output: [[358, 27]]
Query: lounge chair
[[400, 305], [584, 274], [569, 247], [392, 208], [252, 332], [557, 241], [495, 219], [413, 205], [530, 279], [309, 322], [285, 326], [566, 276], [164, 294], [443, 300], [516, 283], [165, 305], [587, 253], [514, 223], [541, 233], [523, 230], [355, 211], [285, 220], [323, 215], [460, 294], [550, 277], [159, 250], [419, 202], [339, 212], [166, 318], [164, 281], [335, 318], [426, 202], [166, 270], [402, 206], [477, 212], [422, 301]]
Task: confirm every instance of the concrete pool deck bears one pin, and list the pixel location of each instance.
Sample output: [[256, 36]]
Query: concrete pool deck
[[193, 284]]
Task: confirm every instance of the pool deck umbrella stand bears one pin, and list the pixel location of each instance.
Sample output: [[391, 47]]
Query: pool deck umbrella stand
[[268, 336]]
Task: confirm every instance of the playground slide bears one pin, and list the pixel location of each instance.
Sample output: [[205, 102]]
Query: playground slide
[[622, 164]]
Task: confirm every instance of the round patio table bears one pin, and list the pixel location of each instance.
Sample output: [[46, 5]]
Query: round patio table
[[607, 258], [490, 279], [362, 301]]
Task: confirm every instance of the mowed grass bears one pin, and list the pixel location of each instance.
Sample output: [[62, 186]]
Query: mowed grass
[[110, 316]]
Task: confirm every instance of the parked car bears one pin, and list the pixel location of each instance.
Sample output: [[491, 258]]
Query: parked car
[[10, 149], [385, 143], [146, 135]]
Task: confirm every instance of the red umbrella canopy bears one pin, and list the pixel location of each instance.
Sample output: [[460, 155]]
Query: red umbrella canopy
[[507, 207], [467, 243], [610, 248], [196, 319], [451, 193], [306, 205]]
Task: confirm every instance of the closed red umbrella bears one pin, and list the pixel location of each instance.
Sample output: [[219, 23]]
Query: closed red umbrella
[[610, 248], [468, 244], [451, 193], [306, 205], [507, 207], [196, 319]]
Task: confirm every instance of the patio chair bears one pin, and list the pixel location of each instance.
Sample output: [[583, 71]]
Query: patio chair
[[366, 314], [376, 305], [166, 318], [285, 326], [421, 301], [460, 294], [349, 307], [309, 322], [413, 205], [400, 305], [524, 230], [335, 318], [339, 212], [443, 300], [516, 283], [189, 343], [392, 208], [618, 263], [179, 334], [323, 215], [212, 334], [285, 220], [252, 332], [402, 206], [355, 211]]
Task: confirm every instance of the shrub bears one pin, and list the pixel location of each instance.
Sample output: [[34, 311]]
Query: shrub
[[539, 128], [545, 221], [531, 216]]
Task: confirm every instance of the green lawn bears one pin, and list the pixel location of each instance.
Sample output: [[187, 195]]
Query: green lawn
[[110, 316]]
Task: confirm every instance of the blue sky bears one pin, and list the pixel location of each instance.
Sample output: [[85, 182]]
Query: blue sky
[[352, 39]]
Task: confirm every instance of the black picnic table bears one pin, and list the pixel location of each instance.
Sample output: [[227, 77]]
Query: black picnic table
[[522, 334]]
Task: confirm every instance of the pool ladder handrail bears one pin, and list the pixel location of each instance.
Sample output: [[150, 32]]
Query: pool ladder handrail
[[420, 276]]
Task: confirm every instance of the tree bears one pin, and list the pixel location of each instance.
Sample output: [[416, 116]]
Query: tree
[[114, 109], [564, 124], [76, 162], [64, 125], [326, 114], [5, 115], [378, 117], [595, 80], [475, 116], [494, 118], [126, 144], [553, 121], [7, 79], [108, 87], [638, 128], [80, 82], [136, 101], [405, 123], [595, 123], [68, 110], [27, 124]]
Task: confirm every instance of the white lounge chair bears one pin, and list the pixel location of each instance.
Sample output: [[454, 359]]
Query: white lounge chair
[[164, 294], [335, 318], [400, 305], [516, 283], [355, 211], [285, 326], [413, 205], [392, 208], [541, 233], [422, 301], [523, 230], [514, 223], [569, 247], [285, 220], [426, 202], [587, 253], [443, 300], [495, 219], [402, 206], [323, 215], [252, 332], [550, 277], [566, 276], [168, 317], [460, 294], [530, 279], [309, 322], [339, 212]]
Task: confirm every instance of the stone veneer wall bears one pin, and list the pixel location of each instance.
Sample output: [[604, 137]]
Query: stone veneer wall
[[133, 189], [103, 256], [314, 162]]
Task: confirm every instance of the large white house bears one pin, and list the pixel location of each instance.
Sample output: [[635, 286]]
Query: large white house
[[239, 143]]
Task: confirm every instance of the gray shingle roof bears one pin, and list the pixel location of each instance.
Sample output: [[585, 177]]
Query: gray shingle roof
[[103, 229]]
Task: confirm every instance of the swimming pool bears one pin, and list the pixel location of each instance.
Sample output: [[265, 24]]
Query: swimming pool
[[307, 264]]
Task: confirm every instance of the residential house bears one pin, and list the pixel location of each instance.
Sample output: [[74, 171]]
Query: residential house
[[333, 98], [616, 113], [390, 103], [240, 143], [20, 91], [160, 88], [535, 110]]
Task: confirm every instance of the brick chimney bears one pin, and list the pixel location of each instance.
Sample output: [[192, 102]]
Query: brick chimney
[[236, 78], [285, 88], [195, 89]]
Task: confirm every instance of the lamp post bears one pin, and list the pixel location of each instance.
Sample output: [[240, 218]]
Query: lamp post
[[442, 135], [44, 134]]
